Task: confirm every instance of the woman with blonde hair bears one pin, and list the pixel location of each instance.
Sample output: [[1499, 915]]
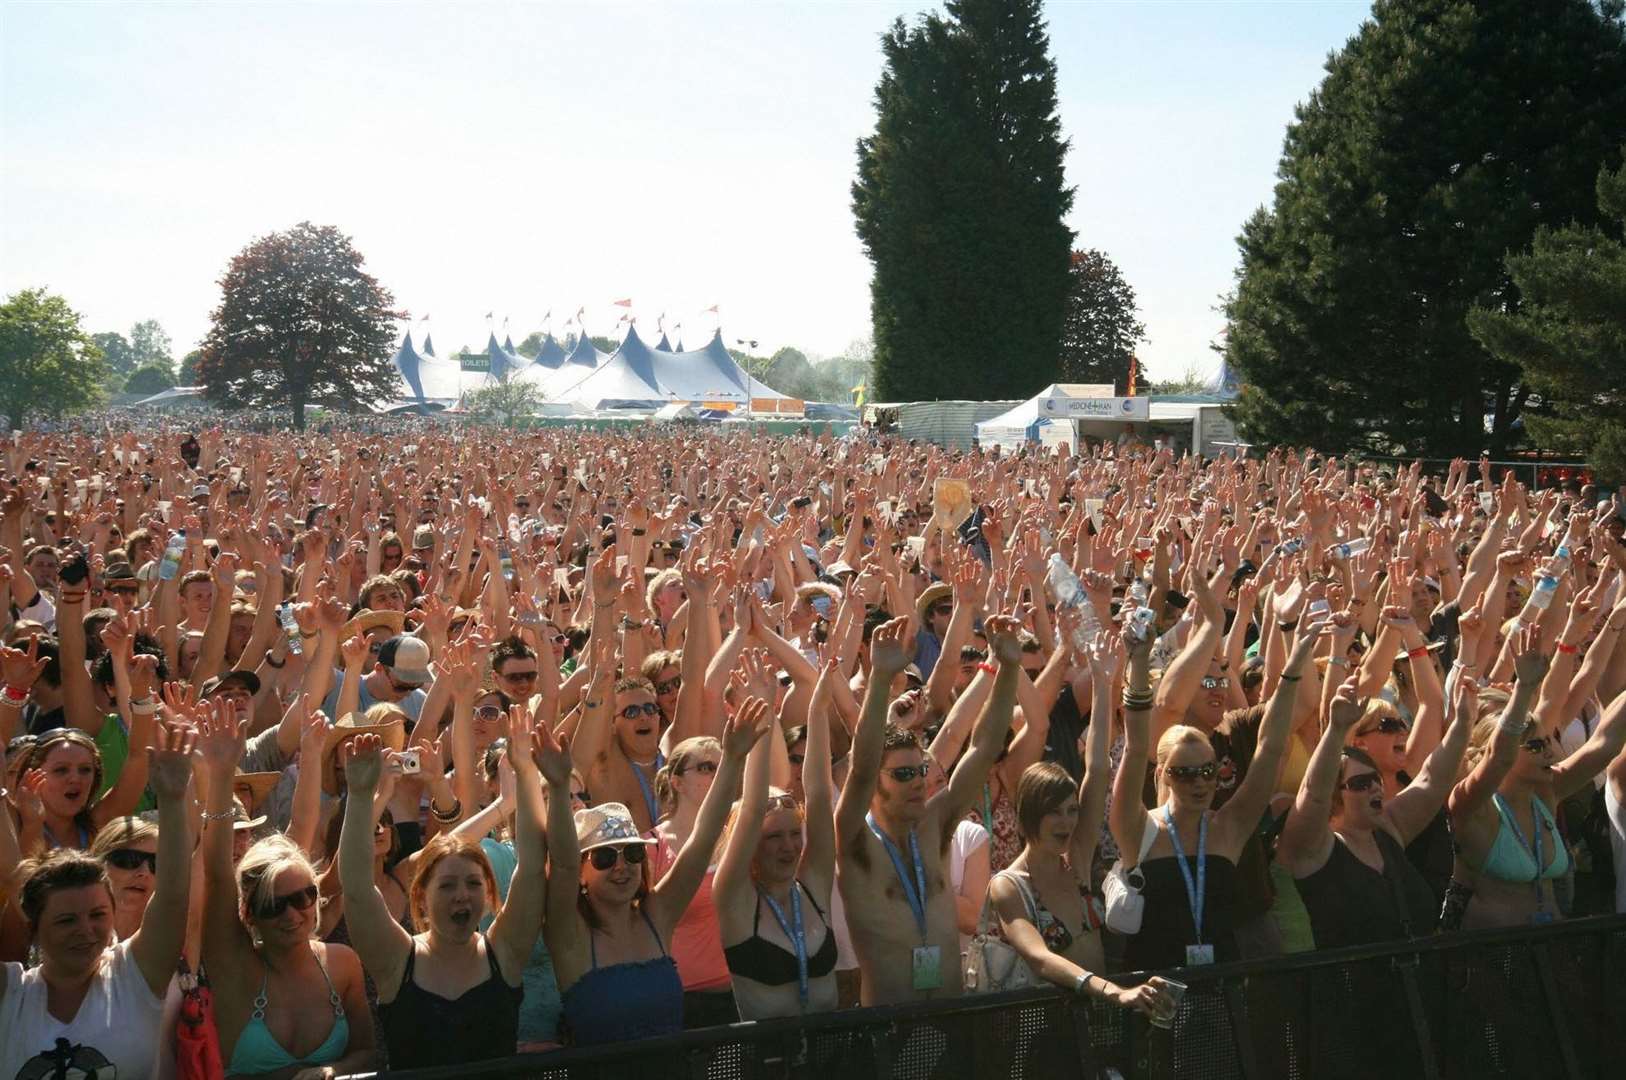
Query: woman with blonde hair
[[449, 994], [681, 787], [284, 1003]]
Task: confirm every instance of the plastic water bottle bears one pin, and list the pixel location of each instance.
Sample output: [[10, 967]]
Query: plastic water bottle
[[1350, 548], [1069, 593], [290, 627], [170, 565], [1291, 547], [505, 559], [1542, 595]]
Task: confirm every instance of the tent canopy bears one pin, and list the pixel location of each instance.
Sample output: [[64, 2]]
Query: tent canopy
[[637, 375], [427, 381]]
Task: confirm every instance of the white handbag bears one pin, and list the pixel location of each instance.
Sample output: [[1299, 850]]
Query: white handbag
[[991, 965], [1122, 888]]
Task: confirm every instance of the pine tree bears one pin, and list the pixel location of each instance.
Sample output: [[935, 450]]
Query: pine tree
[[960, 203], [1445, 133], [300, 322], [1569, 335]]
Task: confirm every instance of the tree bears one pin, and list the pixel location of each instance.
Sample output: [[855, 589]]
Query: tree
[[188, 374], [151, 346], [1444, 134], [960, 204], [152, 379], [504, 402], [48, 364], [1099, 335], [531, 347], [1569, 335], [300, 322], [117, 355]]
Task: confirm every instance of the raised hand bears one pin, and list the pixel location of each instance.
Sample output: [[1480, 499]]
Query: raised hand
[[521, 733], [21, 667], [891, 648], [221, 737], [1004, 638], [1530, 664], [1346, 708], [363, 758], [552, 757], [312, 733], [749, 723], [169, 761]]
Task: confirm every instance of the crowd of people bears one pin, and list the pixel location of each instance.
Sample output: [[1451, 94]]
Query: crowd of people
[[377, 750]]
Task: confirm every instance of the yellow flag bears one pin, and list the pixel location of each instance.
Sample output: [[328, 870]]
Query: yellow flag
[[858, 395]]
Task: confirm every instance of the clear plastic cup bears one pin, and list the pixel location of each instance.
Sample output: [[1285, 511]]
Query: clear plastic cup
[[1176, 992]]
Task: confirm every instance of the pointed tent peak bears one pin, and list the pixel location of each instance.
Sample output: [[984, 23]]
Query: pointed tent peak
[[584, 352], [499, 361], [663, 345], [551, 354], [633, 339], [491, 340], [508, 345], [428, 343], [679, 346]]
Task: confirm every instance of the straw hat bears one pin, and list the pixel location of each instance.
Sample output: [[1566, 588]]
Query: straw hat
[[259, 785], [606, 825], [367, 619], [391, 731]]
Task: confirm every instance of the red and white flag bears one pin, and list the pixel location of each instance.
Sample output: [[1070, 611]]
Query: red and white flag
[[624, 303], [713, 309]]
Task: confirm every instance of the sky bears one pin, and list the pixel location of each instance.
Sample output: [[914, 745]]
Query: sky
[[521, 158]]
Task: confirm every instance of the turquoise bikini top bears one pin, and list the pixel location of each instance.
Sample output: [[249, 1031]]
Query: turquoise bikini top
[[1513, 856], [257, 1050]]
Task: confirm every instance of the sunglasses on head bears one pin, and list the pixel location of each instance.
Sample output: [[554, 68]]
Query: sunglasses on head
[[131, 859], [633, 712], [603, 858], [1363, 782], [705, 768], [1207, 771], [903, 774], [299, 900], [669, 686], [1216, 682]]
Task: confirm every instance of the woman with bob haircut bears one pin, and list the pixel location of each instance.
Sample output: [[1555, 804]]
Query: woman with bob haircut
[[128, 848], [1045, 892], [284, 1003], [782, 857], [450, 993], [95, 1002], [608, 929]]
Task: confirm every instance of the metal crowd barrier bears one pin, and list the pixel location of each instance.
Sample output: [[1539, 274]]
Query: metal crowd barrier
[[1533, 1002]]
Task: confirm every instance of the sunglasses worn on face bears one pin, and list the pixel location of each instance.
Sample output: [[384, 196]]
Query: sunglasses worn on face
[[1222, 682], [1207, 771], [518, 676], [299, 900], [905, 773], [604, 858], [670, 686], [939, 609], [796, 759], [633, 712], [132, 859], [1364, 782], [582, 797], [1539, 743]]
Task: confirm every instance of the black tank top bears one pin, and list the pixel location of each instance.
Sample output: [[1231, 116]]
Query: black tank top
[[1166, 925], [1352, 904], [423, 1029]]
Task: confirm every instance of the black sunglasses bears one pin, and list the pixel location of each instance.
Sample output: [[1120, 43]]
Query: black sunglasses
[[1539, 743], [796, 759], [669, 686], [518, 676], [604, 858], [1388, 725], [1207, 770], [132, 859], [1364, 782], [633, 712], [905, 773], [299, 900]]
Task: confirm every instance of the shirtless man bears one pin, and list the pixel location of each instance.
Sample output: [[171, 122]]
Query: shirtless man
[[891, 839], [619, 741]]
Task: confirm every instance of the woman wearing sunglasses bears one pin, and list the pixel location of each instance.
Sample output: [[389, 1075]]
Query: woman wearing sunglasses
[[128, 849], [451, 993], [1190, 861], [781, 858], [681, 787], [1502, 811], [608, 924], [283, 1002], [110, 985], [1344, 843]]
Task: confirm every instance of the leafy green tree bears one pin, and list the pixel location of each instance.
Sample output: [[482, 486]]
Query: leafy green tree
[[504, 403], [1569, 334], [188, 375], [300, 322], [117, 355], [1444, 134], [152, 379], [151, 346], [48, 364], [960, 204], [531, 347], [1099, 336]]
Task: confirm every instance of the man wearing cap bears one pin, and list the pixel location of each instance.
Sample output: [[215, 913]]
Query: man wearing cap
[[398, 676], [120, 589], [892, 841]]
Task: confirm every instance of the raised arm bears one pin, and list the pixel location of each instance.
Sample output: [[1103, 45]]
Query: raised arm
[[531, 743], [891, 647], [1127, 818], [1241, 813], [1107, 659], [1415, 806], [988, 737], [375, 935], [1474, 791], [1184, 675], [156, 946], [226, 944], [819, 844], [732, 884], [1306, 839]]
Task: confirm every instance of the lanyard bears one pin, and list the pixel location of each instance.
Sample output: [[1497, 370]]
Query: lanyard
[[1533, 848], [1196, 893], [913, 891], [987, 811], [794, 931], [643, 784]]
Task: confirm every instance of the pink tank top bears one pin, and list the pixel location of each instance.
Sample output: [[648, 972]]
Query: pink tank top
[[697, 941]]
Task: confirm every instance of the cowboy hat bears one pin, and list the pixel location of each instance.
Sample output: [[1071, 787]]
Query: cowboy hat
[[367, 619]]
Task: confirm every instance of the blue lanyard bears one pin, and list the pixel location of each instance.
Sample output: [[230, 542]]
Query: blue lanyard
[[913, 891], [1533, 848], [794, 931], [650, 804], [1198, 892]]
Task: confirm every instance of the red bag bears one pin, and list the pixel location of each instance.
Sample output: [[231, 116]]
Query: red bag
[[197, 1043]]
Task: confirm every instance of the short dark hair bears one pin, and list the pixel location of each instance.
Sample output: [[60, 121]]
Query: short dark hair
[[510, 648], [1044, 787], [898, 738], [64, 868], [143, 645]]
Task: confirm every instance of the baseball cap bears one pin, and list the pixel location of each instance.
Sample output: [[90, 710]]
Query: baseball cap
[[423, 537], [246, 679], [407, 658]]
